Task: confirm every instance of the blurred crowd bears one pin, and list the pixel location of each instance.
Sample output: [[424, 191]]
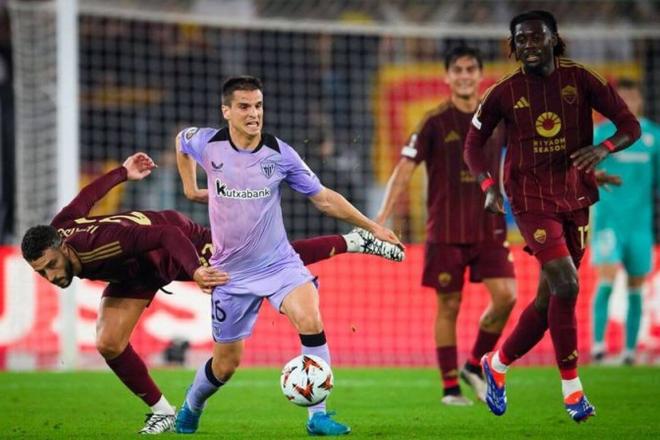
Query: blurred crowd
[[414, 11], [143, 80]]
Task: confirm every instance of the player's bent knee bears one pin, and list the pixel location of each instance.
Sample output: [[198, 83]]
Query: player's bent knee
[[562, 278], [448, 313], [308, 324], [224, 374], [224, 369], [505, 304], [505, 298], [449, 304], [110, 348]]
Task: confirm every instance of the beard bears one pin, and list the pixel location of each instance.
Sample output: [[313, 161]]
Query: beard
[[543, 65], [68, 277]]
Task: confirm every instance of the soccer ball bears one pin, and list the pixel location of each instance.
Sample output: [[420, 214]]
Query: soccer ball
[[306, 380]]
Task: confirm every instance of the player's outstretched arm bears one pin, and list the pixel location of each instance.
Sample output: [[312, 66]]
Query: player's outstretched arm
[[398, 181], [188, 171], [136, 167], [335, 205]]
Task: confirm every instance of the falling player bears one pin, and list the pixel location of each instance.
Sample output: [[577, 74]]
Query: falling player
[[546, 105], [459, 232]]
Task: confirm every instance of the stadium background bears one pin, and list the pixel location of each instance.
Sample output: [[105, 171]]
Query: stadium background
[[345, 83]]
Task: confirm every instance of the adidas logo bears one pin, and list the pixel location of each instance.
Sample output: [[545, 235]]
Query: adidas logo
[[522, 103], [452, 136]]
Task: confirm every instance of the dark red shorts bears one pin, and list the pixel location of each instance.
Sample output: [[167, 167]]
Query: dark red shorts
[[445, 264], [555, 235], [156, 272], [139, 289]]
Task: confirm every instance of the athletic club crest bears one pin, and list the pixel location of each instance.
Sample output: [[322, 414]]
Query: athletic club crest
[[267, 168], [189, 133]]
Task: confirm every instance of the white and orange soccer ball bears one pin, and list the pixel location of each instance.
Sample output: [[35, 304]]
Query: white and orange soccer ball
[[306, 380]]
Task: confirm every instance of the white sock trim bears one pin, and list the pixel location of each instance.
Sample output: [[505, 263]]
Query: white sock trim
[[353, 242], [568, 387], [319, 408], [497, 364], [162, 407]]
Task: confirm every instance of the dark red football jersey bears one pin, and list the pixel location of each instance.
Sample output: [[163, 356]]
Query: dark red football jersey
[[546, 120], [455, 202], [162, 246]]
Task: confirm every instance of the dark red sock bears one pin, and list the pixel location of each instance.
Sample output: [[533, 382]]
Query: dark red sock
[[448, 363], [484, 343], [132, 371], [568, 374], [529, 330], [563, 330], [321, 248]]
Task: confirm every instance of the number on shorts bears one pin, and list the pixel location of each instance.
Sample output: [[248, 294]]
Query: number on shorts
[[584, 230], [218, 314]]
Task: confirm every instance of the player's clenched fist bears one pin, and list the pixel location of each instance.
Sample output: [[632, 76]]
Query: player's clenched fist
[[494, 201], [209, 277], [138, 166]]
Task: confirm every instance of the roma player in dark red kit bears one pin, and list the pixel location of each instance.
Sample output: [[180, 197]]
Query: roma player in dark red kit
[[138, 253], [546, 106], [459, 233]]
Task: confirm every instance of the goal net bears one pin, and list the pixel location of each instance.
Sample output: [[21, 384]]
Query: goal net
[[345, 84]]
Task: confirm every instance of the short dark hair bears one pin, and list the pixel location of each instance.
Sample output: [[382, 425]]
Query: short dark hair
[[457, 52], [234, 83], [544, 16], [37, 239], [628, 84]]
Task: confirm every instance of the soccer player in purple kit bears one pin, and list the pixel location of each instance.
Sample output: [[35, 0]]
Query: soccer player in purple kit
[[138, 253], [245, 169], [460, 233], [546, 105]]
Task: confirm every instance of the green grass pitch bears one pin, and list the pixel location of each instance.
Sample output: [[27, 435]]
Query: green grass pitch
[[378, 403]]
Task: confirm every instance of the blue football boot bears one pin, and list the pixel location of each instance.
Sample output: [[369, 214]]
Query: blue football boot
[[495, 386], [321, 423]]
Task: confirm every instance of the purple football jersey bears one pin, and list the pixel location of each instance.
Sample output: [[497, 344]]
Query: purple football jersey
[[244, 197]]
